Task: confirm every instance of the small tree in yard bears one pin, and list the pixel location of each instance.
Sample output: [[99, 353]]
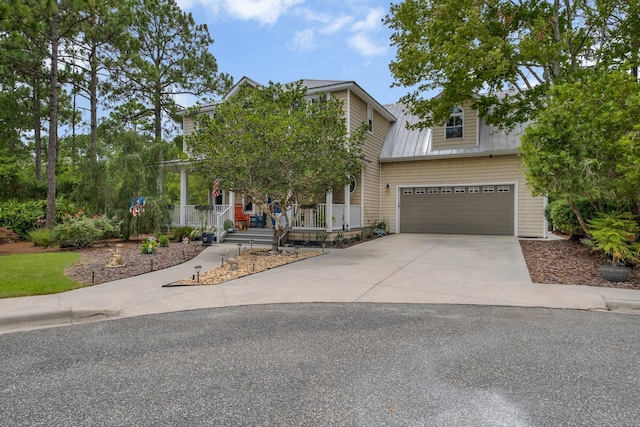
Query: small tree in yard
[[277, 147], [584, 144]]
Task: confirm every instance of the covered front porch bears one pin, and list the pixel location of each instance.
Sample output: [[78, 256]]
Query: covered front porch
[[341, 217], [335, 212]]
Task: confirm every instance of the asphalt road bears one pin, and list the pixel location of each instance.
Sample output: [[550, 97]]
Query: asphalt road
[[328, 364]]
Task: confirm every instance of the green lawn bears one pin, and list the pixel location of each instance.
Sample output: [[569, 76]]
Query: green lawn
[[36, 274]]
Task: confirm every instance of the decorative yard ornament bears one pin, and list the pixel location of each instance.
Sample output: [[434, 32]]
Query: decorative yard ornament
[[136, 206]]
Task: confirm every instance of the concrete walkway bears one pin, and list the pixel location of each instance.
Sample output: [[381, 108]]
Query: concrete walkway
[[404, 268]]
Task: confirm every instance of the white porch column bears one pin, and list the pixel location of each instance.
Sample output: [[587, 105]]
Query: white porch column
[[347, 207], [184, 194], [232, 204], [329, 212]]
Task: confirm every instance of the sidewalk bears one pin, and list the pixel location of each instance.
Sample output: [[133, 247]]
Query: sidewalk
[[404, 268]]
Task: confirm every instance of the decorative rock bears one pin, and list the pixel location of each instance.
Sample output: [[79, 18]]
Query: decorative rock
[[232, 262]]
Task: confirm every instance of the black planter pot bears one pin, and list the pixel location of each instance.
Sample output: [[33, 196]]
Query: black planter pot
[[208, 238], [615, 273]]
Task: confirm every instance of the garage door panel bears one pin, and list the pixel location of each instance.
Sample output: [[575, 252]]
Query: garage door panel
[[458, 212]]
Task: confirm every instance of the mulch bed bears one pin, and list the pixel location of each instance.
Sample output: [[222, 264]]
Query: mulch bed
[[136, 262], [568, 262]]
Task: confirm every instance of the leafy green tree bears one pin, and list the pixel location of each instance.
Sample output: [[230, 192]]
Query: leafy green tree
[[166, 55], [504, 55], [586, 143], [276, 147]]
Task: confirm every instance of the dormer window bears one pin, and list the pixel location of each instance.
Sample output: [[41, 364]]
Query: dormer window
[[454, 125]]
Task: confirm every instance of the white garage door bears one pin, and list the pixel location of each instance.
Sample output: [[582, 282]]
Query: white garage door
[[484, 209]]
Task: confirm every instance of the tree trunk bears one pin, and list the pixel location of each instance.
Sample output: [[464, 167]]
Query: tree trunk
[[53, 123], [578, 215], [37, 134], [93, 101]]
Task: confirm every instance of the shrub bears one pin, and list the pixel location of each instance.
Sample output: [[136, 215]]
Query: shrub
[[182, 232], [22, 217], [163, 241], [80, 231], [228, 224], [149, 245], [615, 234], [42, 237], [564, 220]]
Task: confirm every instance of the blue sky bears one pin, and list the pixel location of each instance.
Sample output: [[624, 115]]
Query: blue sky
[[288, 40]]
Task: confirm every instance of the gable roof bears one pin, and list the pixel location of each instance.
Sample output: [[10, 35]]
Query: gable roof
[[327, 86], [402, 144]]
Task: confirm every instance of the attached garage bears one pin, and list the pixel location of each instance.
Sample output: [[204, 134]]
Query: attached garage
[[463, 209]]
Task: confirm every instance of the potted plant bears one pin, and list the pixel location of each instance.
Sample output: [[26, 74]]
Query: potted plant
[[209, 236], [615, 234]]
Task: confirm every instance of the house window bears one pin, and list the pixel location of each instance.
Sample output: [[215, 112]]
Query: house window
[[445, 190], [487, 189], [420, 190], [407, 191], [474, 190], [459, 190], [503, 188], [454, 124], [370, 118], [433, 190], [352, 184]]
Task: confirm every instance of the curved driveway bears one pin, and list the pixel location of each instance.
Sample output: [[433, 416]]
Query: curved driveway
[[403, 268]]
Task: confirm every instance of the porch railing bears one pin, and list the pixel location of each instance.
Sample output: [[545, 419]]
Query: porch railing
[[303, 218], [199, 217], [316, 218]]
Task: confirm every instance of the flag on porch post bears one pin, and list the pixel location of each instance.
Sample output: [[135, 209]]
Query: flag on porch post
[[216, 189]]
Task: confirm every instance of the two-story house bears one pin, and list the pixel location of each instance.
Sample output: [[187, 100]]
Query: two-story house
[[463, 177]]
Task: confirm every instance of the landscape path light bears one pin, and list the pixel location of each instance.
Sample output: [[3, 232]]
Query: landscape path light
[[93, 267], [198, 268]]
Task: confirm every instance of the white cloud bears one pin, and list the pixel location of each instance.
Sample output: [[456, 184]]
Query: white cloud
[[304, 40], [361, 43], [266, 12], [372, 22], [336, 25]]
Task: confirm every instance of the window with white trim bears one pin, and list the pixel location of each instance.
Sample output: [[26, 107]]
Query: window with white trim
[[420, 191], [369, 118], [445, 190], [454, 126], [459, 190], [407, 191], [503, 188], [474, 190], [432, 190], [487, 189]]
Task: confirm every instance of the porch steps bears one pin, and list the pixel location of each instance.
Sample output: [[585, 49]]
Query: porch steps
[[260, 236]]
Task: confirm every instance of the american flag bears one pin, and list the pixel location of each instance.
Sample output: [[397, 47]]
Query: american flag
[[216, 189]]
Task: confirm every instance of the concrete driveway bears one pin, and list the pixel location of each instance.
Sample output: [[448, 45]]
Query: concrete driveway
[[403, 268]]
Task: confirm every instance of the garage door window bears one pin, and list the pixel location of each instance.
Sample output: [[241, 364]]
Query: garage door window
[[433, 190], [407, 191], [445, 190], [503, 188], [474, 190], [420, 191], [487, 189]]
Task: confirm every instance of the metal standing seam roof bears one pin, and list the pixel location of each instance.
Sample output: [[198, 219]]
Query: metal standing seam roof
[[403, 144]]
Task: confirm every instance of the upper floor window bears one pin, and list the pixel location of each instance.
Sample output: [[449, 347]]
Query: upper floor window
[[454, 124], [370, 118]]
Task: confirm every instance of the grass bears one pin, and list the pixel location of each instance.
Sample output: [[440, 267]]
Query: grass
[[36, 274]]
